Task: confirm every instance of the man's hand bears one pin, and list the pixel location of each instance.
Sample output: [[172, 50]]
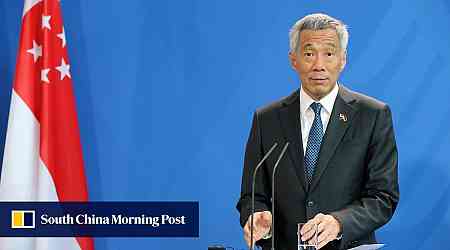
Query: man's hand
[[262, 222], [328, 228]]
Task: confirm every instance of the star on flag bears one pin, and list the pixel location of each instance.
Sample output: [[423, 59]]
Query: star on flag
[[46, 22], [62, 36], [64, 69], [36, 51]]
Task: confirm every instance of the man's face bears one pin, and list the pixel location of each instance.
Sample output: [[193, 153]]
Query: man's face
[[318, 61]]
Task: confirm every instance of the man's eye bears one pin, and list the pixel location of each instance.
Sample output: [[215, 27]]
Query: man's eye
[[329, 54], [308, 54]]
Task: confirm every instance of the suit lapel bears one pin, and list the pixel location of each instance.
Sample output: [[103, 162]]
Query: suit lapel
[[290, 122], [340, 119]]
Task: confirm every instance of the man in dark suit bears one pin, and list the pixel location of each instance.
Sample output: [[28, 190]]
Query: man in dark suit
[[339, 174]]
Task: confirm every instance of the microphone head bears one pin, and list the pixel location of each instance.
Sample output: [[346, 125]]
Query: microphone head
[[216, 247]]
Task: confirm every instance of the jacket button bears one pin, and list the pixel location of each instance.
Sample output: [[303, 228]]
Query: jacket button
[[310, 203]]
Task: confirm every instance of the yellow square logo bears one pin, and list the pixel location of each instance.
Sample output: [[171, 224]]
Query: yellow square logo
[[22, 219]]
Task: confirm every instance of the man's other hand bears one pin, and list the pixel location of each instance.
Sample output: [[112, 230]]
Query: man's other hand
[[328, 228], [262, 222]]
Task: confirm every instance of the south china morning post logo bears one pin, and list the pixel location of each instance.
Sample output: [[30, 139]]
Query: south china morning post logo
[[99, 219], [22, 219], [114, 219]]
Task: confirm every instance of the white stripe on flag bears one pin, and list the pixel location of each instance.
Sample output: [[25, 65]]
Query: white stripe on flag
[[21, 156], [42, 243]]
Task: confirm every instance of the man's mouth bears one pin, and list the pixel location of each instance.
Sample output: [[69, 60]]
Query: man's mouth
[[319, 78]]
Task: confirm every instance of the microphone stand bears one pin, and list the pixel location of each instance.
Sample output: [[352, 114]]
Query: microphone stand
[[273, 192], [253, 191]]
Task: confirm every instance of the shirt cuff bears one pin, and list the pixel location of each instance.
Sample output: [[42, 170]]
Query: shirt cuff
[[268, 235]]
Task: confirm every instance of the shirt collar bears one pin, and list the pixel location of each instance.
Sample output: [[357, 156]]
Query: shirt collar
[[327, 101]]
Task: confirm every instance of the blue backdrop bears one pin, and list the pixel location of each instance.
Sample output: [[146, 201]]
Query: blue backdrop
[[165, 92]]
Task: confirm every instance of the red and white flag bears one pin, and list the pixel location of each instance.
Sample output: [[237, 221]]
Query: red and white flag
[[43, 158]]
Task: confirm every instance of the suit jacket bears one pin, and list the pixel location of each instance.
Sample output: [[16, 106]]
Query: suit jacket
[[355, 178]]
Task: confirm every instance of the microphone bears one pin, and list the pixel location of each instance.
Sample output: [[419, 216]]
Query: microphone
[[253, 190], [217, 247], [273, 192]]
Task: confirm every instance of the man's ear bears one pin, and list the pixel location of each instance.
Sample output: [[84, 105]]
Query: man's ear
[[343, 60], [293, 60]]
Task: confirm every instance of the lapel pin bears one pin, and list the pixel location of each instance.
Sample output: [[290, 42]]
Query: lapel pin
[[342, 117]]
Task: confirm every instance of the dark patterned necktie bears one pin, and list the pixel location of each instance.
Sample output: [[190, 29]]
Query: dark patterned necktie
[[314, 142]]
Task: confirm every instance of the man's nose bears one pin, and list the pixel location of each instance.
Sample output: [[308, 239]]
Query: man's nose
[[319, 63]]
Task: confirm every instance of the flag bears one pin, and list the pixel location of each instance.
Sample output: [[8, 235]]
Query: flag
[[43, 157]]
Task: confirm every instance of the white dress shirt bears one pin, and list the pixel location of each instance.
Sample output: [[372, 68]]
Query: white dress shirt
[[307, 114]]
